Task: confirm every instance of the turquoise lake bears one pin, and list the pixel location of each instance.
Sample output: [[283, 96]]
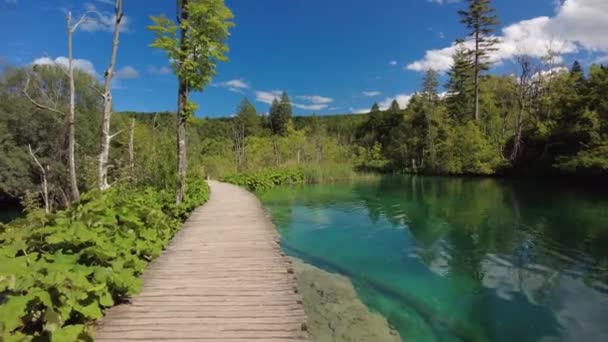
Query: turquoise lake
[[456, 259]]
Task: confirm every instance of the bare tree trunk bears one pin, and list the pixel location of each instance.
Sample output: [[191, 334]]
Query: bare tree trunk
[[524, 93], [71, 117], [476, 76], [131, 146], [182, 102], [318, 150], [238, 137], [298, 155], [277, 152], [104, 144], [45, 187]]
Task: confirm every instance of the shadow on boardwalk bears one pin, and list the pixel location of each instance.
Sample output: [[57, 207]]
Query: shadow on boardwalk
[[222, 278]]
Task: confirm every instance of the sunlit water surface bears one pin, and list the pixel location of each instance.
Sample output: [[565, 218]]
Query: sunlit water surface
[[453, 259]]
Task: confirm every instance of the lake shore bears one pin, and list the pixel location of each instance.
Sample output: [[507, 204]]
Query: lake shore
[[334, 311]]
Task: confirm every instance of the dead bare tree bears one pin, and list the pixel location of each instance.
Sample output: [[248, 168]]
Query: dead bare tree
[[70, 115], [72, 109], [106, 137], [43, 177], [132, 147], [525, 89], [238, 139]]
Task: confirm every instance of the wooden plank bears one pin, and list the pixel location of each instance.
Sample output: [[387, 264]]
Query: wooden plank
[[222, 278]]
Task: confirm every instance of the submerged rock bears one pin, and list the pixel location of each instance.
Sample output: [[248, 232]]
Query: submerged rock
[[334, 311]]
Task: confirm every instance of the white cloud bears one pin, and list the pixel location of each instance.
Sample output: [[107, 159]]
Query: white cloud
[[236, 85], [310, 106], [393, 63], [402, 99], [268, 96], [371, 93], [164, 70], [107, 2], [102, 21], [314, 102], [316, 99], [82, 64], [550, 73], [127, 73], [359, 110], [441, 2], [601, 60], [578, 24]]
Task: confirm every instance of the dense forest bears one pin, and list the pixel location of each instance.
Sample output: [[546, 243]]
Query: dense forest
[[546, 119], [537, 123]]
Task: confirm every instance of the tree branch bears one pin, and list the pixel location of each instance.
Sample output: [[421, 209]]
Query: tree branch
[[36, 104], [45, 191], [82, 19], [99, 92], [115, 134]]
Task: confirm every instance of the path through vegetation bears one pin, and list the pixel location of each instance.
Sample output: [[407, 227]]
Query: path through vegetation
[[222, 278]]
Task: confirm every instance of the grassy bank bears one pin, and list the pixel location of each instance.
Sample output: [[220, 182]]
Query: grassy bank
[[59, 272], [311, 174]]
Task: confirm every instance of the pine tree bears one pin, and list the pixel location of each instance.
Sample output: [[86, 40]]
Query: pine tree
[[576, 68], [481, 21], [430, 83], [375, 108], [430, 96], [394, 108], [460, 86], [248, 118], [280, 114]]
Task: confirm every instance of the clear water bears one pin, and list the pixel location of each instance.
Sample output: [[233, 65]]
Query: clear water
[[9, 213], [453, 259]]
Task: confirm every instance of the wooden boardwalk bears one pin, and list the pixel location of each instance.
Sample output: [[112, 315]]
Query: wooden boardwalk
[[222, 278]]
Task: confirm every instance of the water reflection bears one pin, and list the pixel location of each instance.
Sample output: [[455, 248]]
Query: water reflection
[[460, 259]]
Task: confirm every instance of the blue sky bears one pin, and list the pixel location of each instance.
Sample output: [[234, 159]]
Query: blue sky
[[331, 56]]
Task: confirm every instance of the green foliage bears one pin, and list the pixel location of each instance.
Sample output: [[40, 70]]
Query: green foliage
[[59, 272], [280, 115], [21, 124], [460, 86], [206, 29], [247, 119], [266, 179]]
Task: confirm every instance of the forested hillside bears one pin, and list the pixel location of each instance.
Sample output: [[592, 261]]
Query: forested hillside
[[539, 122], [545, 121]]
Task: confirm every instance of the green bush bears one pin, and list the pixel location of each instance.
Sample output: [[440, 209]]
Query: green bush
[[58, 272], [266, 179], [269, 178]]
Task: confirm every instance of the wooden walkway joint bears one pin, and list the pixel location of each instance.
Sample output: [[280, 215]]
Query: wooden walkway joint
[[222, 278]]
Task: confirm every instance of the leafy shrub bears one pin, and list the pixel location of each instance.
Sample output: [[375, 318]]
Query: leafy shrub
[[269, 178], [266, 179], [58, 272]]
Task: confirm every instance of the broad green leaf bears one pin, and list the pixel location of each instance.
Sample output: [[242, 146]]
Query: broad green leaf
[[92, 311], [53, 320], [12, 311], [67, 333]]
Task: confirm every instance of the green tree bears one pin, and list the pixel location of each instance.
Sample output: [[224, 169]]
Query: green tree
[[430, 93], [280, 115], [203, 27], [480, 20], [394, 108], [248, 118], [460, 86]]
